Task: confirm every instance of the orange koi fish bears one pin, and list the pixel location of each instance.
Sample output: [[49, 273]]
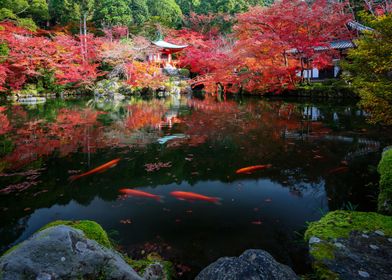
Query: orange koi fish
[[136, 193], [190, 196], [99, 169], [250, 169]]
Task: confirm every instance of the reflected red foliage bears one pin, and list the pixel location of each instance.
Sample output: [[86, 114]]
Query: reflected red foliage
[[5, 125], [142, 115]]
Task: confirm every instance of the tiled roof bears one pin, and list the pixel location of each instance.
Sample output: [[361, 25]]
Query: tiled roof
[[358, 26], [335, 45]]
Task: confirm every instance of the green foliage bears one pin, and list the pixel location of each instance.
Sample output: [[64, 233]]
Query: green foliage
[[369, 69], [7, 14], [46, 83], [331, 87], [385, 170], [4, 50], [39, 10], [140, 12], [166, 12], [113, 12], [64, 11], [188, 6], [16, 6], [25, 11], [91, 229], [225, 6], [27, 23], [340, 223], [184, 72]]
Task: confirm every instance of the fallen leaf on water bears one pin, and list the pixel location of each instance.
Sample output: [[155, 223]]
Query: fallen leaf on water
[[27, 209], [150, 167], [40, 192], [126, 222], [18, 187]]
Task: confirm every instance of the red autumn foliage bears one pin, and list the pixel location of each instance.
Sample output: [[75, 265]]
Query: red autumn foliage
[[274, 42], [260, 56], [144, 75], [31, 55]]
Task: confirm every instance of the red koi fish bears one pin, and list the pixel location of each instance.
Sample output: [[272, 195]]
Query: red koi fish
[[99, 169], [338, 170], [250, 169], [190, 196], [136, 193]]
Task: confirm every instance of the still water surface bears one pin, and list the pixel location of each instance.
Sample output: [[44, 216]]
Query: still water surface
[[323, 157]]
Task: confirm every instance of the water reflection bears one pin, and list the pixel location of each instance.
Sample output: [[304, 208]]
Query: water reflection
[[189, 145]]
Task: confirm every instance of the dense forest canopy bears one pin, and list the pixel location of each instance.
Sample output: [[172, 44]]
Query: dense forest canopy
[[42, 13]]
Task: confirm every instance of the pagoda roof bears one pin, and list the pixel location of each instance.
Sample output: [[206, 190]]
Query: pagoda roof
[[167, 45]]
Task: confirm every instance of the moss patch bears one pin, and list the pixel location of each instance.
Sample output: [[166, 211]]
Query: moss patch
[[323, 273], [340, 223], [322, 251], [10, 250], [385, 170], [91, 229], [141, 265]]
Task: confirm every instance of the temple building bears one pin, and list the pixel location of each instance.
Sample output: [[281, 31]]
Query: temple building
[[340, 46], [163, 53]]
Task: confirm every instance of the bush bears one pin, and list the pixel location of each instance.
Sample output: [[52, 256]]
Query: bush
[[184, 72], [385, 170]]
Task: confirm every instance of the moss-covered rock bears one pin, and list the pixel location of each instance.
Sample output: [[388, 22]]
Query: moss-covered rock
[[91, 229], [340, 223], [342, 243], [385, 170], [94, 231], [64, 252], [153, 258]]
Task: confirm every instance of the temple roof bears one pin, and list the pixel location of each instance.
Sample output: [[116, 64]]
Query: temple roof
[[335, 45], [359, 27], [166, 45]]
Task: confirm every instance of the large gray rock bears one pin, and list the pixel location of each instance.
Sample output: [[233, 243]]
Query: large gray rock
[[357, 257], [251, 265], [62, 252]]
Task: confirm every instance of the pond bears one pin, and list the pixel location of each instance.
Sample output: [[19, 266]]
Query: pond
[[321, 156]]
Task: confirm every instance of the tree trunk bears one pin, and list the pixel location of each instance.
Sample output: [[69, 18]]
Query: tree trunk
[[85, 34]]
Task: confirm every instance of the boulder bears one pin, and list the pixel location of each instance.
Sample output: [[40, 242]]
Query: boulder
[[351, 245], [251, 265], [109, 87], [63, 252]]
